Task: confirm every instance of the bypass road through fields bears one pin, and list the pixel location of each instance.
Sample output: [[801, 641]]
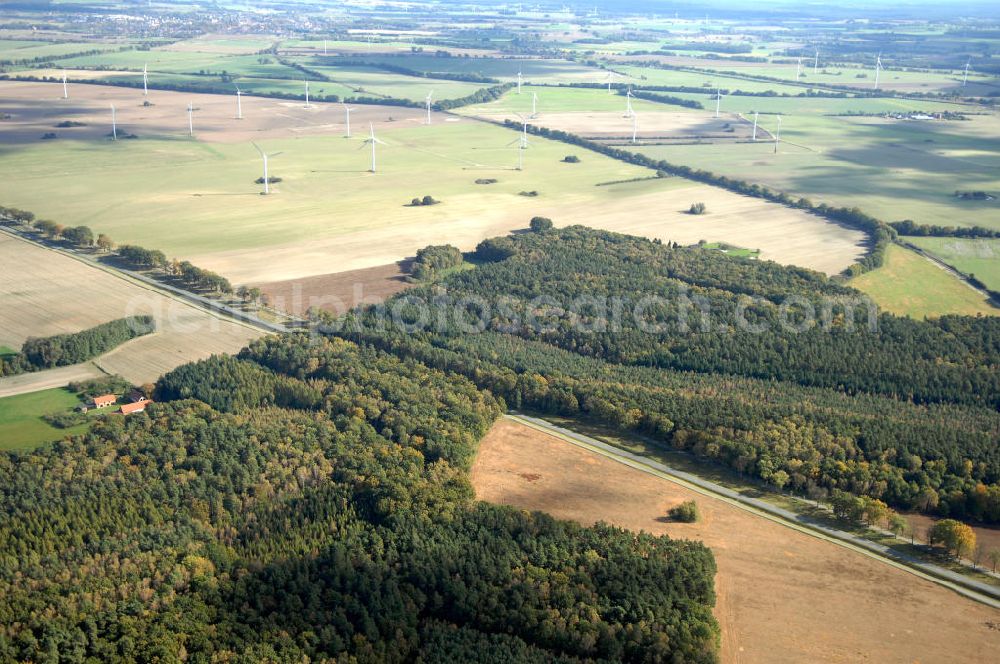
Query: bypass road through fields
[[971, 588]]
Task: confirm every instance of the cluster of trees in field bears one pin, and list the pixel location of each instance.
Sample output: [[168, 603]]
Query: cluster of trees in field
[[39, 353], [881, 234], [190, 275], [905, 413], [665, 99], [480, 96], [433, 259], [694, 89], [467, 77], [342, 527]]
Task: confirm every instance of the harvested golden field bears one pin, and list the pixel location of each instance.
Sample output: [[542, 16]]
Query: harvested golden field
[[196, 199], [46, 293], [783, 596]]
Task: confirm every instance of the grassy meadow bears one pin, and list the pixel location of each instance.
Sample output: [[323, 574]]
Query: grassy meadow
[[559, 100], [911, 285], [892, 169], [979, 257], [21, 423]]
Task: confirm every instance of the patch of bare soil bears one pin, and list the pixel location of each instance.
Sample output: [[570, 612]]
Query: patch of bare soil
[[339, 292]]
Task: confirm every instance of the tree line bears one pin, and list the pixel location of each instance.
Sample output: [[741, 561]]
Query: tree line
[[59, 350]]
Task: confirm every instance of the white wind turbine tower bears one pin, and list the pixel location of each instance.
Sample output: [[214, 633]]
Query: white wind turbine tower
[[429, 101], [239, 103], [798, 69], [114, 124], [520, 80], [628, 104], [145, 81], [878, 68], [610, 79], [521, 141], [534, 104], [191, 119], [324, 48], [635, 128], [777, 136], [307, 94], [66, 89], [718, 101], [347, 118], [816, 61], [264, 156], [965, 76], [371, 140], [755, 115]]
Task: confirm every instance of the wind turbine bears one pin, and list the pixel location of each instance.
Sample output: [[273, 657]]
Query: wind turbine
[[628, 104], [798, 69], [66, 89], [324, 48], [965, 76], [372, 141], [635, 128], [816, 61], [610, 78], [264, 156], [239, 103], [347, 118], [429, 99], [307, 93], [718, 101], [520, 80], [878, 68], [190, 119], [534, 104], [114, 124], [755, 114], [777, 136], [522, 142], [145, 81]]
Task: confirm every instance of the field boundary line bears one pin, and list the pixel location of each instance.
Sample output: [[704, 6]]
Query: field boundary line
[[193, 300], [969, 588]]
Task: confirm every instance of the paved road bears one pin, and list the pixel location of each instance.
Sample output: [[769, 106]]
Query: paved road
[[971, 588]]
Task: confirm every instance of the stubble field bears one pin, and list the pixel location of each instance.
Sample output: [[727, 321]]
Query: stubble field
[[195, 198], [46, 293], [774, 584]]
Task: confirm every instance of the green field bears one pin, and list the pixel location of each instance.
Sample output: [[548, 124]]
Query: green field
[[893, 169], [505, 69], [14, 50], [318, 90], [21, 423], [911, 285], [560, 100], [979, 257], [368, 81], [161, 61], [194, 199]]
